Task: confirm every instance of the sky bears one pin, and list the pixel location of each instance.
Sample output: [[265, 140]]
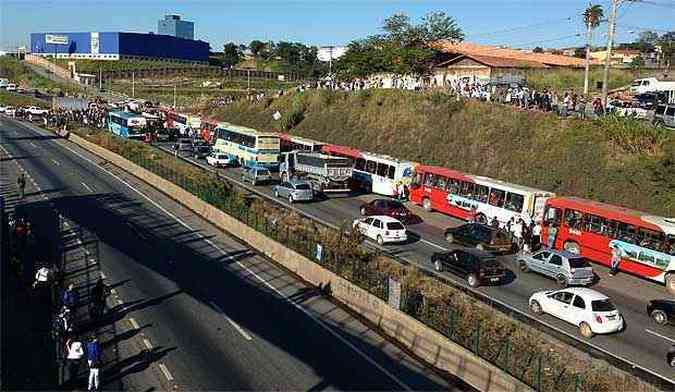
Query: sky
[[516, 23]]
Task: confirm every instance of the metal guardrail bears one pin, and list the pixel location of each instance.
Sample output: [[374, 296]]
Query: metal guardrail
[[591, 349]]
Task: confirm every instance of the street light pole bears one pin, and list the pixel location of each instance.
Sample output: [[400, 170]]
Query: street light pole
[[133, 84], [610, 42], [174, 96]]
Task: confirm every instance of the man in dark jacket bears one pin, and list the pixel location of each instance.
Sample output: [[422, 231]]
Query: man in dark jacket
[[70, 297], [98, 294]]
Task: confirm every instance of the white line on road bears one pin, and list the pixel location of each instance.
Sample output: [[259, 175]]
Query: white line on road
[[307, 313], [33, 144], [56, 162], [166, 372], [147, 343], [133, 322], [87, 186], [659, 335], [232, 323]]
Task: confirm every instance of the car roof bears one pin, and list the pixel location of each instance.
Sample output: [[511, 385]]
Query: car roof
[[587, 293], [475, 252], [563, 253], [385, 218]]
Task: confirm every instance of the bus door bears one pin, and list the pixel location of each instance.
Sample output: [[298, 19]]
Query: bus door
[[537, 211]]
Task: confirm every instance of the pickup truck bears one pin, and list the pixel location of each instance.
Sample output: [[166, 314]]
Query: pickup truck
[[36, 111]]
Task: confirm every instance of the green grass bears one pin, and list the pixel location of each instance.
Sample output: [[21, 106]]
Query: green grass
[[573, 79], [20, 100], [628, 163], [93, 66], [17, 72]]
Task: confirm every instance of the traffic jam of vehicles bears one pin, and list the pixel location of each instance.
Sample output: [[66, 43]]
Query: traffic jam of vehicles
[[555, 237]]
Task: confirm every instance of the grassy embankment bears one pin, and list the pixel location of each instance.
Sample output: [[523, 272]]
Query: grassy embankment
[[563, 79], [620, 161], [20, 100], [14, 70], [94, 66]]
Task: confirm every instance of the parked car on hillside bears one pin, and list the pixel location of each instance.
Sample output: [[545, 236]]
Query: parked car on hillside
[[294, 190], [480, 236], [381, 228], [565, 267], [588, 309], [392, 208], [476, 266], [256, 175], [662, 311]]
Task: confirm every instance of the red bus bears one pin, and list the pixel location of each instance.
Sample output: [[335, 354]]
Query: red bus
[[466, 196], [646, 242], [208, 127]]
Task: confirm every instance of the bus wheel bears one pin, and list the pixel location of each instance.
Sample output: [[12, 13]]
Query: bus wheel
[[426, 204], [572, 247], [670, 283]]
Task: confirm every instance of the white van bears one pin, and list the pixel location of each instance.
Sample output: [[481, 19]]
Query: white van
[[4, 83]]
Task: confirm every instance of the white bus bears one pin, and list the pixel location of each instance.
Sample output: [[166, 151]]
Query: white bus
[[376, 173], [248, 146]]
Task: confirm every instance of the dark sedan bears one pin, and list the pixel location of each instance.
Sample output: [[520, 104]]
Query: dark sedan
[[662, 311], [480, 236], [392, 208], [476, 266]]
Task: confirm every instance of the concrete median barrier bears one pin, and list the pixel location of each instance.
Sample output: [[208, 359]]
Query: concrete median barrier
[[424, 342]]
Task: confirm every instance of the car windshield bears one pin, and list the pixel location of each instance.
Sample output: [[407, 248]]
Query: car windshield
[[302, 187], [394, 204], [636, 83], [395, 226], [221, 156], [579, 262], [602, 305], [263, 172], [490, 262]]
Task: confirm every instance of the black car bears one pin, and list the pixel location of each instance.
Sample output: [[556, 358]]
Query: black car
[[476, 266], [480, 236], [662, 311]]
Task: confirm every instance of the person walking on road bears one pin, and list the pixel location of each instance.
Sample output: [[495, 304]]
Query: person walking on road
[[74, 355], [42, 277], [98, 295], [94, 361], [616, 259], [70, 297], [21, 182]]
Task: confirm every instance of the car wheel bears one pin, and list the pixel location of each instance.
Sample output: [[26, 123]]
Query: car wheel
[[670, 283], [380, 240], [290, 199], [472, 280], [585, 330], [276, 193], [450, 238], [426, 204], [363, 211], [572, 247], [562, 281], [438, 266], [535, 307], [660, 317], [523, 266], [480, 247]]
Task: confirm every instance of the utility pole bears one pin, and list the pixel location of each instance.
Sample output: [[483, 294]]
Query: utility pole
[[248, 77], [100, 79], [589, 40], [174, 96], [133, 84], [330, 58], [610, 42]]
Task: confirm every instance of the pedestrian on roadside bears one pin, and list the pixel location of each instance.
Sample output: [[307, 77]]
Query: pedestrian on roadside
[[74, 355], [94, 361], [70, 297], [21, 182], [616, 260], [42, 277], [98, 294]]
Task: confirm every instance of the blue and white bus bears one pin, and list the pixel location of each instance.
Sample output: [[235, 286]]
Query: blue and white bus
[[248, 146], [127, 125]]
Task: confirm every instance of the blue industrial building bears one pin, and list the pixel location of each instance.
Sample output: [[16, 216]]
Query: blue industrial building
[[118, 45], [174, 26]]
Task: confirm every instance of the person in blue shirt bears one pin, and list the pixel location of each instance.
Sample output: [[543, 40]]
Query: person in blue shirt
[[94, 361], [70, 297]]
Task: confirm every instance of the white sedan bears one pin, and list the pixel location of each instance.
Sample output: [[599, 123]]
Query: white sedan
[[218, 159], [588, 309], [10, 111], [36, 111], [381, 228]]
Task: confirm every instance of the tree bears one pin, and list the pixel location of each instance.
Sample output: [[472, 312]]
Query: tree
[[231, 54], [538, 49], [646, 41], [637, 63], [256, 47], [667, 45], [580, 52], [592, 17]]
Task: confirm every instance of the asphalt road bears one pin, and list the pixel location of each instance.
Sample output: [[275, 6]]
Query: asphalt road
[[642, 342], [213, 314]]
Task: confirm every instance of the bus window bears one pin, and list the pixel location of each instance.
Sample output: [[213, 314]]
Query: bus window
[[552, 216], [371, 167], [392, 172], [481, 193], [497, 197], [650, 239], [453, 186], [360, 164], [382, 169], [627, 233], [429, 180], [466, 189], [441, 182], [573, 219], [514, 202], [594, 224]]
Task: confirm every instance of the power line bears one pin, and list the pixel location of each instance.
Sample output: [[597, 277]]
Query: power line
[[524, 27]]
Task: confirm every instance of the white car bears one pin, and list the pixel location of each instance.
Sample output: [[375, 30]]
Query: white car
[[2, 108], [381, 228], [218, 159], [11, 87], [36, 111], [10, 111], [588, 309]]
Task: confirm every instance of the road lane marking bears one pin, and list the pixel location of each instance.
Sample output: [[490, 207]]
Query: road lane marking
[[33, 144], [56, 162], [147, 343], [87, 186], [133, 322], [166, 372], [659, 335], [232, 323], [292, 303]]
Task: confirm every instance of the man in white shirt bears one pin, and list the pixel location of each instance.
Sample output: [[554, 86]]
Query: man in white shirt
[[42, 277], [74, 355]]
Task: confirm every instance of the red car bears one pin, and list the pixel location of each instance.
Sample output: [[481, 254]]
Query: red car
[[392, 208]]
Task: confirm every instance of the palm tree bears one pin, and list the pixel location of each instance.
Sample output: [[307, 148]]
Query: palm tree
[[592, 17]]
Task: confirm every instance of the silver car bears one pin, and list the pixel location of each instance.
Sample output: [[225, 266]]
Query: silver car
[[565, 267], [294, 190], [256, 175]]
